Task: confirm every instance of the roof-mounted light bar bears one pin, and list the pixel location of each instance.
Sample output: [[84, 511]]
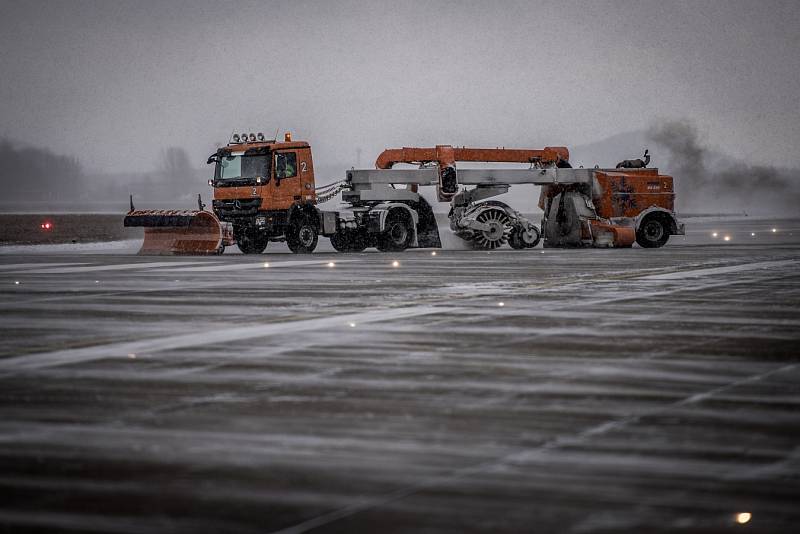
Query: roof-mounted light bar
[[259, 137]]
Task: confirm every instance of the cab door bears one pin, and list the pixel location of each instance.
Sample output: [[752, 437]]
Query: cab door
[[286, 181]]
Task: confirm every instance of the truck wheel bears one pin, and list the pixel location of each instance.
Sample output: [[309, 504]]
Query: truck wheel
[[249, 240], [521, 238], [397, 235], [302, 235], [339, 242], [348, 241], [653, 232]]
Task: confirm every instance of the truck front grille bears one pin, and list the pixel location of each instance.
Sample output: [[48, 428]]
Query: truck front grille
[[238, 207]]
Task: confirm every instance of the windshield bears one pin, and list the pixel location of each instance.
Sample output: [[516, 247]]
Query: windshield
[[238, 167]]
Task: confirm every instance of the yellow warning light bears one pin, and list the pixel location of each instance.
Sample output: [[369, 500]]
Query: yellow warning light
[[743, 517], [288, 137]]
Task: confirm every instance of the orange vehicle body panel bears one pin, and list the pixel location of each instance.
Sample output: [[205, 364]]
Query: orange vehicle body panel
[[628, 192], [623, 236], [448, 155], [298, 189]]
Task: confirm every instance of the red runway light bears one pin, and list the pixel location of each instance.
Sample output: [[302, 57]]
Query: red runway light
[[47, 225]]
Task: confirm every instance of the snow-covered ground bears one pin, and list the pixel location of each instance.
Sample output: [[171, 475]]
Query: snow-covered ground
[[129, 246], [550, 390]]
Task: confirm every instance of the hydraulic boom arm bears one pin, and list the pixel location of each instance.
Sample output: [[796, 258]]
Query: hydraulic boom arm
[[446, 156]]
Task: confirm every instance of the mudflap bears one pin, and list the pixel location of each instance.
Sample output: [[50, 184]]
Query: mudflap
[[180, 232], [427, 228]]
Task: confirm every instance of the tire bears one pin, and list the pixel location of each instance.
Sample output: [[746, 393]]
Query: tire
[[397, 234], [339, 242], [521, 239], [302, 235], [348, 241], [515, 240], [249, 240], [653, 232]]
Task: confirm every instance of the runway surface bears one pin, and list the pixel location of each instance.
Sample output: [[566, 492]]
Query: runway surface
[[511, 391]]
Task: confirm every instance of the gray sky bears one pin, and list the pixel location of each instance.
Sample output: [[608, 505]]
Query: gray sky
[[113, 82]]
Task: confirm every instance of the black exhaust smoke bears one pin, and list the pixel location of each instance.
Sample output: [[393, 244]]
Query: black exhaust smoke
[[709, 183]]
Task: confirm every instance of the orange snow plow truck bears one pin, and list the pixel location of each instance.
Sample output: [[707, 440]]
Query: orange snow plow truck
[[265, 190]]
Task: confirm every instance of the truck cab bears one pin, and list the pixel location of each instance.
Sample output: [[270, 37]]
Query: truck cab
[[266, 190]]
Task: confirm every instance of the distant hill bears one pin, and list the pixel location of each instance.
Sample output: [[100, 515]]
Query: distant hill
[[608, 152]]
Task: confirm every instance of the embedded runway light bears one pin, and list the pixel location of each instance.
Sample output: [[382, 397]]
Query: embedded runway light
[[16, 282], [774, 230], [351, 325], [266, 264], [97, 281], [433, 253], [753, 234], [131, 355], [727, 238], [501, 304], [743, 517], [331, 264], [395, 263], [715, 234], [47, 225]]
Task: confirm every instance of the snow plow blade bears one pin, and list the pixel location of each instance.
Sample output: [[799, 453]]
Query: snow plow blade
[[180, 232]]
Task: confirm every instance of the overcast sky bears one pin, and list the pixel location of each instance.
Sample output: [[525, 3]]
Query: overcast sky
[[113, 82]]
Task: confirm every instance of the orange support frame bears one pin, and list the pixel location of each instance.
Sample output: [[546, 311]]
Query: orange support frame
[[447, 155]]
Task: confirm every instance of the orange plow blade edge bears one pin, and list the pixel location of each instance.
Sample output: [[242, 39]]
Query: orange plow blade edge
[[180, 232]]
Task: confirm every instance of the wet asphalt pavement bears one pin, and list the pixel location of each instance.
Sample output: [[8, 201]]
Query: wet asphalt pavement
[[543, 390]]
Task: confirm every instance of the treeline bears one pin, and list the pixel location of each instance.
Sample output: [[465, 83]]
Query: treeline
[[35, 173], [30, 175]]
